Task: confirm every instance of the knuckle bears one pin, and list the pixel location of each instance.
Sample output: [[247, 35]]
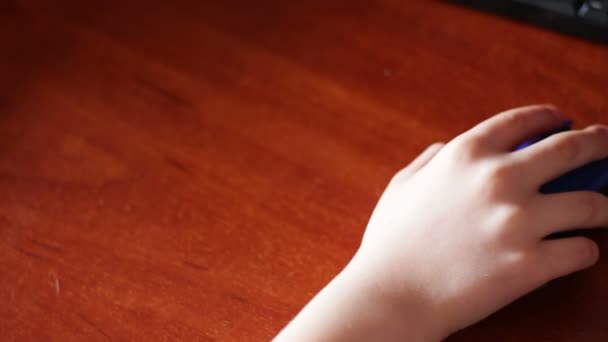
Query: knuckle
[[591, 208], [508, 219], [569, 148], [517, 264], [522, 120], [518, 119], [593, 128], [502, 171], [600, 143], [597, 129], [497, 176], [514, 216], [465, 149]]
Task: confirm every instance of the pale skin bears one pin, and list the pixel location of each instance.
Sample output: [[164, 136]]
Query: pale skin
[[460, 233]]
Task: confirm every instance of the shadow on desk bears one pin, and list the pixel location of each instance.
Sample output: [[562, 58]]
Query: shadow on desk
[[31, 49], [571, 308]]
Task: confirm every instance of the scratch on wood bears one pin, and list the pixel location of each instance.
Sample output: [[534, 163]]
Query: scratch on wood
[[178, 165], [47, 246], [30, 254], [196, 266], [94, 326], [169, 95], [236, 297]]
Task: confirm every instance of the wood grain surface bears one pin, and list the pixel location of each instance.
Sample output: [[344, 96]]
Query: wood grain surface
[[198, 170]]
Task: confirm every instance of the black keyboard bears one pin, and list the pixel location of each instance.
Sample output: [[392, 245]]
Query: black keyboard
[[584, 18], [594, 12]]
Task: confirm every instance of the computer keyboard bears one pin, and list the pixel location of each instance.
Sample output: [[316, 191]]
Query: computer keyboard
[[594, 12], [584, 18]]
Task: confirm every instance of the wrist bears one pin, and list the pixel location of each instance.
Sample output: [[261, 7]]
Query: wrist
[[396, 311], [361, 304]]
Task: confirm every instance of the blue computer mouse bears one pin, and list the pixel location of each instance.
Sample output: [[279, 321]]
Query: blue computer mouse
[[590, 177]]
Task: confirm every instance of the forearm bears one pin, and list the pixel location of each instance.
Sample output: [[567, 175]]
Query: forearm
[[352, 308]]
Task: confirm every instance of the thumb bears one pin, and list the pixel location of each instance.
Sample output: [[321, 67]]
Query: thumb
[[418, 163]]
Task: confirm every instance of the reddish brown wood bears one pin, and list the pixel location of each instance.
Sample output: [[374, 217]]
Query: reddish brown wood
[[197, 170]]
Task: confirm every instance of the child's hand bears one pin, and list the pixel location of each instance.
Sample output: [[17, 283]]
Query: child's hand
[[465, 232], [459, 233]]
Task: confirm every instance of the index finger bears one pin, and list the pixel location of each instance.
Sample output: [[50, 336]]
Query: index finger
[[506, 130]]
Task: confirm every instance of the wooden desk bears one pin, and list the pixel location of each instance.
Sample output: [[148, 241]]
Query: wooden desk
[[199, 170]]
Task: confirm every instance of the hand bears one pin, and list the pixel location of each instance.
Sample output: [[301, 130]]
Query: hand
[[460, 233], [464, 233]]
